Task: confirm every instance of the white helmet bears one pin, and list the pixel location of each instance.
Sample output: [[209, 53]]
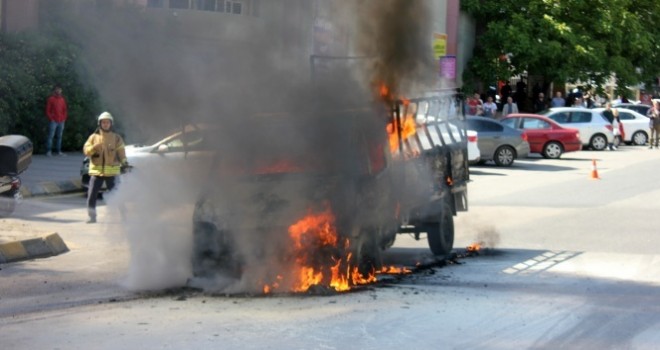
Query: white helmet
[[105, 116]]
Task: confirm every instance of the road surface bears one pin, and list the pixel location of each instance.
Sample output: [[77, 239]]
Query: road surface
[[570, 262]]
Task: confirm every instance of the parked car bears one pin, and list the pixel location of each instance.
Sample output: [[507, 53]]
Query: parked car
[[15, 157], [544, 135], [595, 130], [498, 142], [474, 156], [635, 126], [637, 107], [182, 144]]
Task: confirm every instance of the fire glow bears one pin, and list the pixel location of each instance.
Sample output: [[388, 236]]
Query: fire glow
[[408, 126], [407, 130], [474, 247], [322, 258]]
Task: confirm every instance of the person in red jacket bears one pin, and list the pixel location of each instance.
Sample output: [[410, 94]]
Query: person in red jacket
[[57, 114]]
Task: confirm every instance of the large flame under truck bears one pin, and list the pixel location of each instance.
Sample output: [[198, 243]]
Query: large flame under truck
[[338, 185]]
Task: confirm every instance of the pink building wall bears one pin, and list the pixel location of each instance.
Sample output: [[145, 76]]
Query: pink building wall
[[19, 15]]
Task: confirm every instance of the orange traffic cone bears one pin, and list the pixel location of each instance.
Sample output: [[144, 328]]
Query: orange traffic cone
[[594, 170]]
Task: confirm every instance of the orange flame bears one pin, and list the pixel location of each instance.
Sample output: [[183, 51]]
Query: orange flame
[[322, 258], [394, 270], [280, 168], [408, 129], [384, 91], [474, 247]]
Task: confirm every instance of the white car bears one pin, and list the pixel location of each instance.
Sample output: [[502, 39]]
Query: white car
[[168, 152], [635, 126], [595, 130], [474, 155]]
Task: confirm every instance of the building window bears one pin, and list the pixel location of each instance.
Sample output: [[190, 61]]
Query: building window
[[206, 5], [155, 3], [179, 4], [233, 7]]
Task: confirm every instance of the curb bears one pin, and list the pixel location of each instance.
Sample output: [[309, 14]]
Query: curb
[[52, 188], [34, 248]]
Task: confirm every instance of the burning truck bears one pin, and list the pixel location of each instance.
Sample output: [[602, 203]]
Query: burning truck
[[296, 213]]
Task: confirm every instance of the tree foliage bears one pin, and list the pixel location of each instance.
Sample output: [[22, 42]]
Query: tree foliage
[[566, 40], [32, 64]]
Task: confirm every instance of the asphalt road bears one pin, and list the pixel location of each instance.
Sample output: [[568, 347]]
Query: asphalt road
[[571, 262]]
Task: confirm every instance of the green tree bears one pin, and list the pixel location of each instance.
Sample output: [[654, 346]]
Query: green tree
[[32, 63], [566, 40]]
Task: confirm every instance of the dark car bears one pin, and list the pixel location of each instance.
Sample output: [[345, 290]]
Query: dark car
[[544, 135], [15, 157], [498, 142]]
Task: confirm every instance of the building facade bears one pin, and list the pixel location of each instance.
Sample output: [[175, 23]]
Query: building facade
[[295, 29]]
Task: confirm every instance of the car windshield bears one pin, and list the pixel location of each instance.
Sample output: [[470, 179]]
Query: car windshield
[[289, 145]]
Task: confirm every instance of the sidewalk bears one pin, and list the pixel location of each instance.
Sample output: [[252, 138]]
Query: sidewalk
[[52, 175], [44, 176]]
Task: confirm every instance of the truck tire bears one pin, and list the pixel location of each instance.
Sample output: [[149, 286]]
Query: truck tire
[[440, 234], [213, 252], [370, 258]]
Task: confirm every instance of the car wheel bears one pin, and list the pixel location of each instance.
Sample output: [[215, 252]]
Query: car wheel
[[598, 142], [504, 156], [640, 138], [440, 234], [552, 150]]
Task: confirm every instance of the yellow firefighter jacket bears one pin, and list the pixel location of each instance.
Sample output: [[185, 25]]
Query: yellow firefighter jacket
[[107, 161]]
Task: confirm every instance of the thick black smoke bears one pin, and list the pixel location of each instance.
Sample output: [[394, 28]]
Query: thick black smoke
[[254, 84], [397, 33]]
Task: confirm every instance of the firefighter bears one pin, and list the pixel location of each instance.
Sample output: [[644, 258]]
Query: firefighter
[[107, 156]]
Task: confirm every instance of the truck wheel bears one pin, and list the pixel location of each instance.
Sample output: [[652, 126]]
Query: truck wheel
[[440, 234], [370, 259], [213, 251]]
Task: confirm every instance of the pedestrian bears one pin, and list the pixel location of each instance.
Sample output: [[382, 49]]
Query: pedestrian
[[539, 104], [654, 124], [489, 108], [475, 105], [56, 111], [537, 89], [558, 100], [588, 101], [520, 96], [617, 127], [510, 107], [107, 156], [609, 114], [506, 90]]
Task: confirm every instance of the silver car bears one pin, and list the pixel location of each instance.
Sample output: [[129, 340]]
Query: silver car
[[595, 129], [498, 142]]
